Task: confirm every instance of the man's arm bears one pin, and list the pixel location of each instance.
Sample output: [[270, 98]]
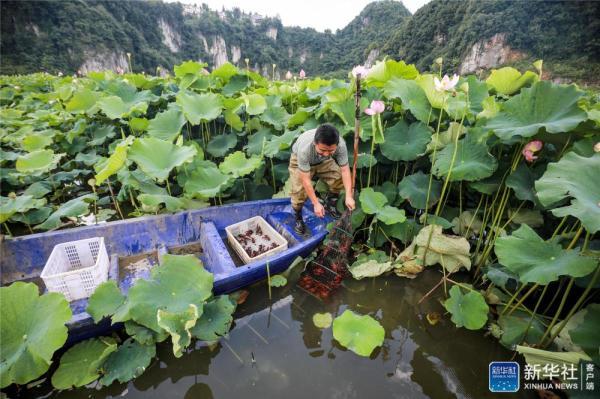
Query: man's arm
[[310, 192], [347, 181]]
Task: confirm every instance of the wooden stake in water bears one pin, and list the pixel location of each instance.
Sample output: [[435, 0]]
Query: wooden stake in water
[[269, 280]]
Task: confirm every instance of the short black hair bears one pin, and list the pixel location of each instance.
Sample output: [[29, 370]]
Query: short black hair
[[327, 134]]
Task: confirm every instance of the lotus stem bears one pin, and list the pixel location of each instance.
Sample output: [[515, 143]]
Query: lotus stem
[[512, 298], [533, 288], [558, 311], [562, 221], [433, 158], [539, 301], [168, 187], [273, 175], [269, 280], [115, 202], [7, 229]]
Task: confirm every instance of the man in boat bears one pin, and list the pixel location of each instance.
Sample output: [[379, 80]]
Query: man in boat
[[319, 152]]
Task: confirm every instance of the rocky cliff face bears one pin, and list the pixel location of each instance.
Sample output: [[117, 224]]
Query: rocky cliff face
[[490, 53], [104, 60], [170, 37]]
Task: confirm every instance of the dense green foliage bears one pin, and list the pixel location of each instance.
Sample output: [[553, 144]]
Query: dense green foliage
[[564, 33]]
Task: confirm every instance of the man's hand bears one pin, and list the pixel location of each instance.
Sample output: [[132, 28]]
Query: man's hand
[[319, 209], [350, 203]]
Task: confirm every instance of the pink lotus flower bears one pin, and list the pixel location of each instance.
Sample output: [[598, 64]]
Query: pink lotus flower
[[446, 84], [302, 74], [530, 149], [360, 70], [375, 108], [288, 75], [120, 70]]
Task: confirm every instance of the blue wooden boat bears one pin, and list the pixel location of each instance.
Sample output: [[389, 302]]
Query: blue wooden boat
[[135, 246]]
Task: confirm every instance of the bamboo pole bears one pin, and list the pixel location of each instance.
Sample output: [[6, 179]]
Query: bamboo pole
[[356, 130]]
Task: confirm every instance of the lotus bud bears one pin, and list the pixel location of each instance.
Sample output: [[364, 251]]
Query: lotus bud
[[439, 60], [12, 195], [91, 182], [465, 87], [597, 147]]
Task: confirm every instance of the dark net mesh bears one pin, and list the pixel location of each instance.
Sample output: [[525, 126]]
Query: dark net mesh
[[324, 274]]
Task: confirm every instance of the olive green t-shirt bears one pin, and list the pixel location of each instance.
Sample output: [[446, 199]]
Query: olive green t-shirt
[[304, 149]]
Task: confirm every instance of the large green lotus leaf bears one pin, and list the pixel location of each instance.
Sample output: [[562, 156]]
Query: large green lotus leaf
[[21, 204], [433, 219], [221, 144], [469, 311], [371, 201], [178, 282], [573, 177], [345, 110], [255, 103], [188, 67], [275, 116], [414, 189], [114, 163], [100, 134], [75, 207], [538, 261], [522, 182], [371, 265], [233, 120], [563, 340], [129, 361], [404, 232], [114, 107], [441, 140], [38, 162], [199, 107], [552, 360], [256, 141], [178, 325], [472, 161], [152, 202], [437, 99], [517, 328], [360, 334], [501, 276], [105, 300], [585, 335], [216, 319], [544, 105], [206, 180], [385, 70], [478, 93], [235, 85], [490, 108], [508, 80], [364, 160], [35, 142], [144, 335], [158, 157], [32, 328], [225, 71], [404, 143], [84, 100], [166, 125], [238, 165], [280, 143], [391, 215], [530, 217], [33, 216], [412, 95], [467, 223], [301, 115], [451, 252], [82, 363]]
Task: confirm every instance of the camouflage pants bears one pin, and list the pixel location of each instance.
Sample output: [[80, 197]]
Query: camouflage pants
[[328, 171]]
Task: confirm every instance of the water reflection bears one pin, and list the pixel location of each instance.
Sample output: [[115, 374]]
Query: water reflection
[[275, 351]]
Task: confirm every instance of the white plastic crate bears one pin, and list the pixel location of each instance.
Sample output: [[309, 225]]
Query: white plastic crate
[[76, 268], [251, 224]]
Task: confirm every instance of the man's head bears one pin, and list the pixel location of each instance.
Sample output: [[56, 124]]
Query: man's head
[[326, 140]]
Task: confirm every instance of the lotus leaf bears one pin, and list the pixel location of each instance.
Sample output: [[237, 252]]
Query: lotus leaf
[[114, 163], [469, 311], [467, 222], [83, 100], [501, 276], [544, 105], [433, 219], [360, 334], [158, 157], [478, 93], [436, 98], [100, 134], [82, 363], [257, 140], [563, 340], [414, 188], [576, 177], [36, 142], [404, 232], [371, 265], [322, 320], [530, 217], [178, 325], [206, 180], [518, 328], [221, 144], [472, 161], [522, 182], [385, 70], [33, 216], [38, 162], [129, 361], [412, 95], [441, 140], [178, 282], [404, 143], [199, 107], [225, 71], [216, 319], [233, 120], [32, 328], [114, 107], [538, 261], [75, 207], [23, 203], [167, 125], [235, 85], [255, 103], [449, 251], [279, 143], [585, 334], [188, 67], [490, 108], [105, 300], [276, 116], [508, 80], [371, 201], [550, 360], [144, 335], [391, 215]]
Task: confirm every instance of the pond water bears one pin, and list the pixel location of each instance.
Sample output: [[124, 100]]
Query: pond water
[[275, 351]]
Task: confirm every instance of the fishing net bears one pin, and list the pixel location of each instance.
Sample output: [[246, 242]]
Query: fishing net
[[325, 273]]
